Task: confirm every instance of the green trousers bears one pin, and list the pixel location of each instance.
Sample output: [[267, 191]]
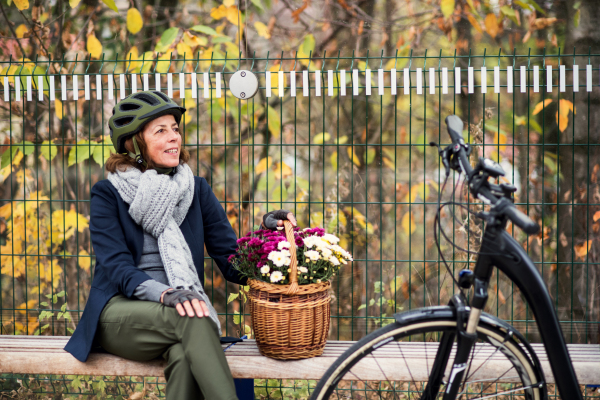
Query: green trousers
[[144, 330]]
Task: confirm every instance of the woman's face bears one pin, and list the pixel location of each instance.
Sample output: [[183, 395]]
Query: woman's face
[[163, 141]]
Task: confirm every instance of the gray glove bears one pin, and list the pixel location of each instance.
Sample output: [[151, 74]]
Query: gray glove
[[179, 296], [270, 219]]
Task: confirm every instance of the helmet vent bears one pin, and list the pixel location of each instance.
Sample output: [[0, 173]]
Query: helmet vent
[[162, 96], [147, 99], [129, 107], [122, 121]]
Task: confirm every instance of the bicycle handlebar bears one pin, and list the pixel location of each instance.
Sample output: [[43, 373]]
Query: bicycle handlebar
[[500, 205]]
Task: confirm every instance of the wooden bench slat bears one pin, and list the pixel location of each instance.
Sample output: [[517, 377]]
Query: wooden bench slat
[[45, 355]]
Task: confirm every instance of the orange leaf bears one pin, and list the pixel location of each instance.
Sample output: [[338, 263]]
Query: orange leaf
[[296, 13], [475, 23], [539, 106], [491, 25], [582, 249], [596, 216], [562, 122]]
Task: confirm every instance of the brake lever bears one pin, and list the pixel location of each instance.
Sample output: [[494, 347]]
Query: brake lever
[[444, 156]]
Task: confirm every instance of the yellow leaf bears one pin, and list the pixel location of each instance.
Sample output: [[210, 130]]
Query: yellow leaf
[[219, 12], [21, 30], [193, 41], [333, 160], [74, 3], [447, 7], [234, 16], [184, 49], [228, 3], [353, 157], [321, 138], [539, 106], [565, 106], [162, 65], [58, 109], [475, 23], [185, 118], [408, 223], [562, 122], [133, 55], [67, 222], [134, 20], [94, 47], [263, 165], [22, 4], [282, 170], [262, 30], [396, 284], [84, 260], [491, 24]]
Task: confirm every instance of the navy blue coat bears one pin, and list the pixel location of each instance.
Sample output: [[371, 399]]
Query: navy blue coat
[[118, 242]]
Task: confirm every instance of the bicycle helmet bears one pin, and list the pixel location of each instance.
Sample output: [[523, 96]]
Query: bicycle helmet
[[133, 112]]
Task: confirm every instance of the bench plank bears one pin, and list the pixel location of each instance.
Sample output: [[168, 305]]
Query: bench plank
[[45, 355]]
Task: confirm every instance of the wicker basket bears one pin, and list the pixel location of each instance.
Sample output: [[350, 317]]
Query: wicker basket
[[290, 321]]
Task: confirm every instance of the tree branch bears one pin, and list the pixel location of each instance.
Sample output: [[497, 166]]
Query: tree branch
[[11, 28]]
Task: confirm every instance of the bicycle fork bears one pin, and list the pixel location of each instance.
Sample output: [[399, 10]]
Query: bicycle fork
[[467, 319]]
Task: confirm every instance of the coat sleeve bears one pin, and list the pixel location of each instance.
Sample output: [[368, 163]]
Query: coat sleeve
[[114, 259], [219, 237]]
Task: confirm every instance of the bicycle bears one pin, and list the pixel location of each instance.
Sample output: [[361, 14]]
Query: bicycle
[[456, 333]]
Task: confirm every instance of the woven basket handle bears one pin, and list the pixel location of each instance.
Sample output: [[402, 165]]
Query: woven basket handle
[[289, 235]]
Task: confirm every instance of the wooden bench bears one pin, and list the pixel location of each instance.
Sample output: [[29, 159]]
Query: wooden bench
[[45, 355]]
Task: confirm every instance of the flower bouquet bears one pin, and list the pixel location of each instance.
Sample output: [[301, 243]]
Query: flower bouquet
[[289, 296], [265, 255]]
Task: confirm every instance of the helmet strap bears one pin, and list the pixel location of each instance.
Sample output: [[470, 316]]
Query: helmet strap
[[140, 160]]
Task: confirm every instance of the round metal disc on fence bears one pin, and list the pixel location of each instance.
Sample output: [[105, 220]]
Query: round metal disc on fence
[[243, 84]]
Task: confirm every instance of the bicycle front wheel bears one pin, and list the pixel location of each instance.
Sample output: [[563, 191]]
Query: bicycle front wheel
[[412, 359]]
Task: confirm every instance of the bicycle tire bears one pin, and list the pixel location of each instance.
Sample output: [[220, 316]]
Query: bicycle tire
[[500, 338]]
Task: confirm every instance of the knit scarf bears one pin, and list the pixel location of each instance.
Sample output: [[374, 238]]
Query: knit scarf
[[159, 203]]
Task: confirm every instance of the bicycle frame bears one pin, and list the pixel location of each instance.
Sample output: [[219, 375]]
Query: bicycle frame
[[501, 250]]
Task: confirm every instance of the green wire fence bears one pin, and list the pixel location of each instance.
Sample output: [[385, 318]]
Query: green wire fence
[[343, 142]]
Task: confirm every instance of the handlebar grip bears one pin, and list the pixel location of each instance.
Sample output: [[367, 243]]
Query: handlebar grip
[[455, 128], [521, 220]]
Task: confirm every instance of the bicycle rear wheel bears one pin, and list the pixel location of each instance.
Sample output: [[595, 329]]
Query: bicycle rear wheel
[[405, 360]]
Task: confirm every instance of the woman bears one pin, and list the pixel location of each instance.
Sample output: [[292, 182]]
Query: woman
[[149, 223]]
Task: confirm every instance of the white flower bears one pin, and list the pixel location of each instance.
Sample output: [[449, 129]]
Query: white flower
[[303, 269], [264, 269], [283, 245], [326, 253], [312, 255], [331, 238], [278, 258], [310, 241], [334, 260], [286, 253], [276, 276], [287, 261]]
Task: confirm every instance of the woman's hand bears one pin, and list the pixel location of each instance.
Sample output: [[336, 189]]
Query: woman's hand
[[185, 302], [274, 219]]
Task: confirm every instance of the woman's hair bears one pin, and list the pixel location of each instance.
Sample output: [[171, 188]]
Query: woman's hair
[[123, 161]]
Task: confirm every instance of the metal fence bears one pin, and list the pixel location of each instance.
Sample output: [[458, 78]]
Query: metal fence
[[343, 142]]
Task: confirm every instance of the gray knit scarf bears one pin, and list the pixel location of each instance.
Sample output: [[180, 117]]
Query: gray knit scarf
[[159, 203]]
